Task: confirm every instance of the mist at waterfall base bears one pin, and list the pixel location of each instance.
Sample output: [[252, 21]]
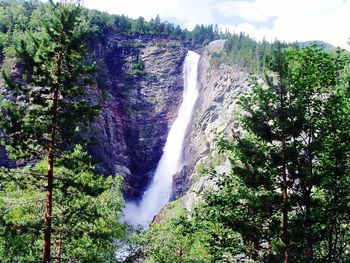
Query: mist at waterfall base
[[159, 191]]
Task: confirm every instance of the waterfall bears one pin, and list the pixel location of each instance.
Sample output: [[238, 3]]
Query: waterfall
[[159, 191]]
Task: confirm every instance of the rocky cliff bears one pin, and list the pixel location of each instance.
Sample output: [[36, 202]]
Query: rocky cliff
[[220, 87], [139, 87], [143, 92], [143, 86]]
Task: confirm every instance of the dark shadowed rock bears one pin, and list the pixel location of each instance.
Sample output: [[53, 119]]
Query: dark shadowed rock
[[4, 160], [143, 87]]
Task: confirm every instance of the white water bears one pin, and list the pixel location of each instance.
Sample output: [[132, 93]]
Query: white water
[[159, 191]]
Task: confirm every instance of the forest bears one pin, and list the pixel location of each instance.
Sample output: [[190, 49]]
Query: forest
[[285, 199]]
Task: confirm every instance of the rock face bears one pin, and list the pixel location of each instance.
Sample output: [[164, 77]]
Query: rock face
[[139, 86], [4, 160], [220, 86], [143, 90]]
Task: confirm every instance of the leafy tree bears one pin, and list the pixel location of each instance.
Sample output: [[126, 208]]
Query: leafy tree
[[100, 25], [123, 24], [156, 26], [140, 25], [202, 34], [50, 104], [320, 86], [175, 240], [167, 243], [332, 231], [291, 148], [249, 53], [188, 237], [169, 29]]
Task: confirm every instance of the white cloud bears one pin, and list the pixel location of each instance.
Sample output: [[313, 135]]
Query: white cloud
[[250, 30], [262, 10], [299, 20], [250, 11]]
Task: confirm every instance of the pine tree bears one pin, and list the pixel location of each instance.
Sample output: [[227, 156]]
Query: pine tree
[[44, 109], [267, 139], [279, 66]]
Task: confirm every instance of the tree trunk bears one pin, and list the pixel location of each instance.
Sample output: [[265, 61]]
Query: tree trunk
[[308, 220], [308, 225], [51, 158], [285, 199], [285, 235]]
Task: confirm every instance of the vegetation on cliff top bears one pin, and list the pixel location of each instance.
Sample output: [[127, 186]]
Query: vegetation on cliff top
[[21, 16]]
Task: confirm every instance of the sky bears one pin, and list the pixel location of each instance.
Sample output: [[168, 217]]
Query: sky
[[288, 20]]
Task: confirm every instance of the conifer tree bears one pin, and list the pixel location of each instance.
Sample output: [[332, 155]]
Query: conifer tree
[[86, 211], [44, 109]]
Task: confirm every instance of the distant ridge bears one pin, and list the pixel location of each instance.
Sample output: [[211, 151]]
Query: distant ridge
[[324, 45]]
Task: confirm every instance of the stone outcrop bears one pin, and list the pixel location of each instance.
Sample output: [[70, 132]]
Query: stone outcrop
[[220, 87], [4, 159]]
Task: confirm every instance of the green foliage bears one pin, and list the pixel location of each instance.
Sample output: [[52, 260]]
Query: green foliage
[[27, 122], [14, 17], [324, 99], [203, 34], [86, 211], [175, 240], [44, 108], [193, 237], [223, 243], [248, 53], [137, 67], [24, 16], [307, 98]]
